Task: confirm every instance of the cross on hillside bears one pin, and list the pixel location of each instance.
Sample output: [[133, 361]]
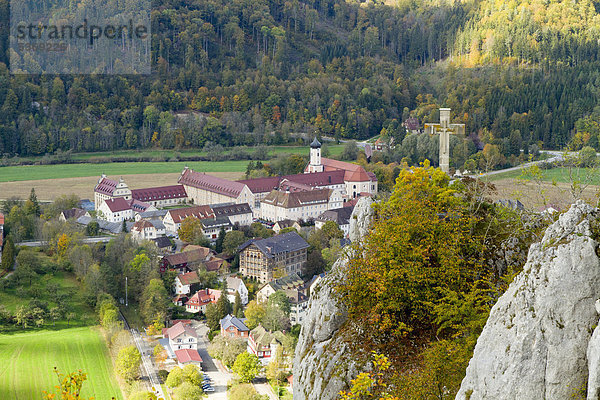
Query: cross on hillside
[[444, 129]]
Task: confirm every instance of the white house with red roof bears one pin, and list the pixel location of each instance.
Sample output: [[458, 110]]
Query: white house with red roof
[[143, 230], [202, 298], [107, 189], [182, 344], [188, 356], [115, 210], [207, 189], [183, 282]]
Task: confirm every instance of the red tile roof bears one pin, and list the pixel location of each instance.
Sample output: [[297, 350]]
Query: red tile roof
[[187, 355], [159, 193], [204, 296], [211, 183], [262, 185], [118, 204], [1, 219], [106, 186], [179, 329], [325, 178], [189, 278], [199, 212], [265, 185], [353, 172]]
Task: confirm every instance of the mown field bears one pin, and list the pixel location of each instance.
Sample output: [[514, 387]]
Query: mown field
[[27, 360], [40, 172]]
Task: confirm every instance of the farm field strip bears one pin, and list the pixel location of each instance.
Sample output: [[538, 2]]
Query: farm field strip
[[27, 360], [59, 171]]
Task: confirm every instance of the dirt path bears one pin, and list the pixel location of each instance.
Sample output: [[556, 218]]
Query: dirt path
[[50, 189]]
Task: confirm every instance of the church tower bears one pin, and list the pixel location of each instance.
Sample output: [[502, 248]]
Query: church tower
[[315, 157]]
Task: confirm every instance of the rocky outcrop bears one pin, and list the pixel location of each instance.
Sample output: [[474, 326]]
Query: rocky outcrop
[[323, 365], [538, 343], [360, 221]]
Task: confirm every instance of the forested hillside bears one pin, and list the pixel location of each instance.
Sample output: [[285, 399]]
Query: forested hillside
[[259, 71]]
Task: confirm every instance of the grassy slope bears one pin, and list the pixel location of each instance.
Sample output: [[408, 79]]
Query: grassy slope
[[27, 360]]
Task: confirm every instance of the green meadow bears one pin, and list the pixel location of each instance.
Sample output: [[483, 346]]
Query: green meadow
[[27, 361]]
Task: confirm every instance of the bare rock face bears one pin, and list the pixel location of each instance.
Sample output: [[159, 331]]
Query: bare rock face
[[323, 365], [360, 221], [538, 343]]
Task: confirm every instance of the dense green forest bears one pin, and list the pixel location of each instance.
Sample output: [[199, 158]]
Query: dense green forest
[[247, 72]]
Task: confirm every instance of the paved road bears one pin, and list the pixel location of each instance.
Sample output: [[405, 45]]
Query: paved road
[[103, 239], [148, 366], [264, 388], [211, 367]]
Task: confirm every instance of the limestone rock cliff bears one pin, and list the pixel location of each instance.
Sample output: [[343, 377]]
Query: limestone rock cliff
[[322, 364], [538, 342]]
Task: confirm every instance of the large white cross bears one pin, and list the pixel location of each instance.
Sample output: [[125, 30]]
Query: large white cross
[[444, 129]]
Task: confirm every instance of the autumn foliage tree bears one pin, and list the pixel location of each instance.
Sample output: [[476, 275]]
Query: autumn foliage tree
[[421, 245], [69, 386]]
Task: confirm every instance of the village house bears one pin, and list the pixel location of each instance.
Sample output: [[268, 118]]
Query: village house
[[264, 344], [291, 281], [207, 189], [189, 259], [182, 336], [115, 210], [184, 283], [238, 214], [294, 288], [211, 227], [234, 327], [163, 244], [298, 305], [188, 356], [165, 196], [108, 189], [199, 301], [341, 216], [155, 215], [299, 205], [285, 223], [174, 218], [72, 213], [264, 259], [181, 343], [144, 230], [236, 285]]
